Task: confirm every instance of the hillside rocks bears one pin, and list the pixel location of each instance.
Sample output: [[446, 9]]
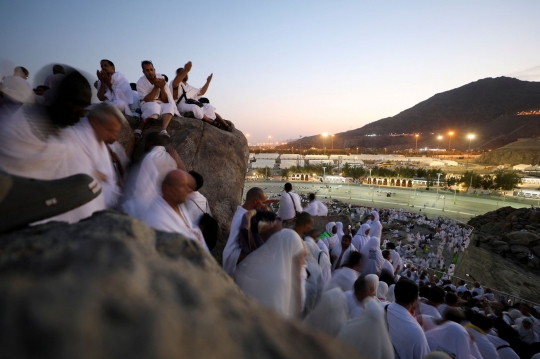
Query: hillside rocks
[[524, 150], [511, 231], [221, 157], [110, 287]]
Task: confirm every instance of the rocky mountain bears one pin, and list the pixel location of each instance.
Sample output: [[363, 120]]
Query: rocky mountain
[[524, 150], [488, 108]]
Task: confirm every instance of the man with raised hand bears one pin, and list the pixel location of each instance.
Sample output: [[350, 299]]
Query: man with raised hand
[[113, 87], [156, 100]]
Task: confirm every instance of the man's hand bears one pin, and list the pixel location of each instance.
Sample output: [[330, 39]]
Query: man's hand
[[188, 66], [100, 176], [159, 83], [209, 78], [107, 78], [176, 157]]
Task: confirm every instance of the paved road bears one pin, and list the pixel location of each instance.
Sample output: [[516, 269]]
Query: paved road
[[461, 207]]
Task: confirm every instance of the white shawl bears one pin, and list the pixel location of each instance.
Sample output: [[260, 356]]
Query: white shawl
[[143, 183], [144, 87], [269, 275], [406, 334], [121, 90], [331, 312], [162, 217], [360, 239], [91, 156], [368, 333], [451, 338], [372, 259]]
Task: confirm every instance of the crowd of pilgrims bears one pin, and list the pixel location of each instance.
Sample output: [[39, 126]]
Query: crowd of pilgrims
[[352, 286], [348, 283]]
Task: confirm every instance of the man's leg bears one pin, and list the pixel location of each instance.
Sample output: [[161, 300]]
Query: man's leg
[[151, 110], [165, 120]]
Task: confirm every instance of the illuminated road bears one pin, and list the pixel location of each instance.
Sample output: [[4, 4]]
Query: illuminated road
[[464, 207]]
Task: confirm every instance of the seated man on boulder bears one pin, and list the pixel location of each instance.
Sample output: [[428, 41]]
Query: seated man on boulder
[[166, 213], [183, 91], [156, 100], [113, 87]]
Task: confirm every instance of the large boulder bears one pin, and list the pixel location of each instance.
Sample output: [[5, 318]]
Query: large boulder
[[519, 251], [110, 287], [523, 238], [220, 157]]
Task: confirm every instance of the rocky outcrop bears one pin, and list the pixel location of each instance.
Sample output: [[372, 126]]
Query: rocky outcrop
[[524, 150], [220, 157], [498, 273], [510, 232], [110, 287]]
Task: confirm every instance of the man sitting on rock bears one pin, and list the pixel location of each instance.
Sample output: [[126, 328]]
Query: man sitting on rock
[[113, 87], [166, 213], [156, 100], [144, 180], [255, 199], [182, 91], [89, 139]]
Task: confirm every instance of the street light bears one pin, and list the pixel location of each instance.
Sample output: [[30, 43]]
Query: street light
[[470, 137], [438, 183], [416, 136], [324, 135], [356, 150], [450, 134], [332, 142], [324, 174], [439, 144]]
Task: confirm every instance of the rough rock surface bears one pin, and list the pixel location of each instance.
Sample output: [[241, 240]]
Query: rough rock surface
[[110, 287], [498, 273], [519, 229], [221, 157]]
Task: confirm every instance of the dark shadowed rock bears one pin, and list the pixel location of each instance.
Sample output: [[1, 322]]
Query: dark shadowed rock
[[519, 251], [220, 157], [110, 287], [523, 238]]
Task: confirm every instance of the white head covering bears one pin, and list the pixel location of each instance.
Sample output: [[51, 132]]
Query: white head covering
[[372, 259], [331, 312], [364, 228], [382, 291], [329, 227], [373, 279], [376, 215], [340, 232], [267, 274], [368, 333], [390, 297]]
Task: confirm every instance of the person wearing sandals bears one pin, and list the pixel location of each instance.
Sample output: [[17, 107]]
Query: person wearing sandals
[[183, 91], [156, 100]]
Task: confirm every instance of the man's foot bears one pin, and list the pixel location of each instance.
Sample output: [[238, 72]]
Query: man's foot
[[165, 134]]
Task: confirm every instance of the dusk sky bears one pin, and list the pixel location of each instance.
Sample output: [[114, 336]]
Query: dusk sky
[[286, 68]]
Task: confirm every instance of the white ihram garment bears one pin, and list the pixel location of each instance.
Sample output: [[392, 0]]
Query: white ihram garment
[[342, 278], [193, 94], [289, 203], [121, 95], [450, 338], [232, 250], [162, 217], [331, 312], [406, 334], [322, 258], [376, 226], [312, 208], [269, 275], [368, 333], [196, 206], [93, 156], [144, 181], [360, 239], [336, 251], [372, 259], [31, 147], [156, 108]]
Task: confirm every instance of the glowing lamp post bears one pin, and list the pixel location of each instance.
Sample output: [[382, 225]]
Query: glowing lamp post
[[324, 135], [416, 137], [470, 137], [332, 142], [450, 134]]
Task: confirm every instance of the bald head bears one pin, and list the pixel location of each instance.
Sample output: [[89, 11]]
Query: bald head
[[176, 187], [255, 199]]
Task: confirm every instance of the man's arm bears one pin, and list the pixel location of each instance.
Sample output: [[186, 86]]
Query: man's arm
[[205, 87], [163, 92], [179, 78], [151, 97], [105, 83]]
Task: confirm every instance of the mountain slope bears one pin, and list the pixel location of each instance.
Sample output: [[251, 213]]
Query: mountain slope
[[485, 107]]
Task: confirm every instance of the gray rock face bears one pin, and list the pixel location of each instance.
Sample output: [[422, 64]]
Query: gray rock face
[[220, 157], [110, 287], [523, 238]]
